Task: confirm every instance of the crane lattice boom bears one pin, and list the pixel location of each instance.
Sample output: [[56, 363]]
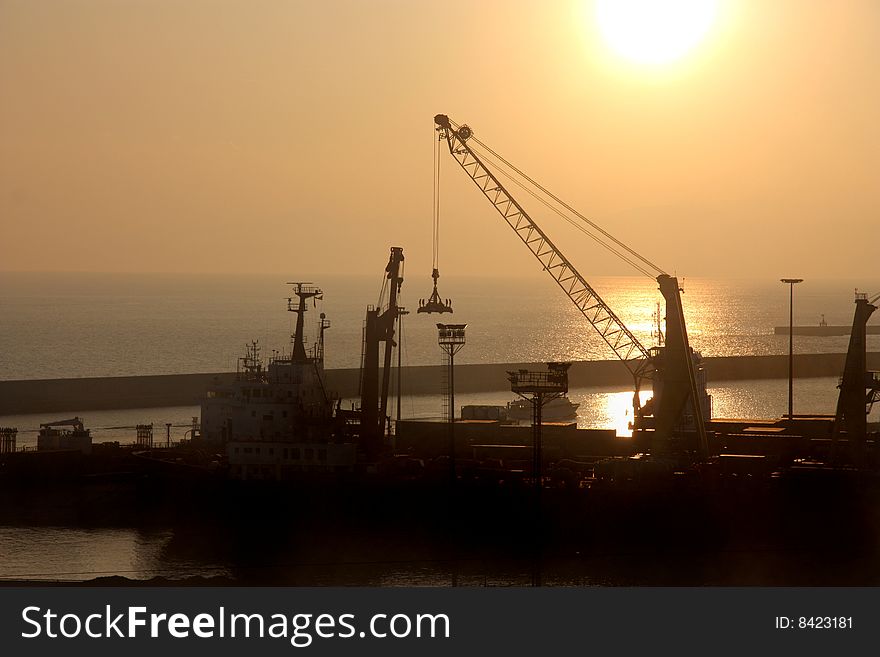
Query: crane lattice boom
[[613, 331]]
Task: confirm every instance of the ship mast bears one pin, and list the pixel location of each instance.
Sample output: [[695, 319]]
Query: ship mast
[[304, 291]]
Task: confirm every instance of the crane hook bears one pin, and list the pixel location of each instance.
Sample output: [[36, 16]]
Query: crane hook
[[434, 303]]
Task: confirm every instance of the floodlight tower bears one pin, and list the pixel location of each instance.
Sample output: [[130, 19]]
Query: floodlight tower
[[539, 388], [451, 338]]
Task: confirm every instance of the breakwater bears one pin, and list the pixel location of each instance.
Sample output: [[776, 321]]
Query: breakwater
[[104, 393]]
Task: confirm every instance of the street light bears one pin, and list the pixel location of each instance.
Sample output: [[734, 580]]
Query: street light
[[791, 283]]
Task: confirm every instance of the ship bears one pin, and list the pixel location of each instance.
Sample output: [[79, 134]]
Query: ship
[[561, 408], [558, 409], [278, 421]]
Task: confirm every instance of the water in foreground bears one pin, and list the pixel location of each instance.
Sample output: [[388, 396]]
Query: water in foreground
[[780, 532]]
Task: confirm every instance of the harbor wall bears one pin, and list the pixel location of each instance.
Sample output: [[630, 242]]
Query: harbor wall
[[104, 393]]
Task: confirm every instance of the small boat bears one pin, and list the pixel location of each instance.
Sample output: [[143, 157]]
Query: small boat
[[561, 408]]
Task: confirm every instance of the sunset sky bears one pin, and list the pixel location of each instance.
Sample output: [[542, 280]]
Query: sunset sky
[[295, 137]]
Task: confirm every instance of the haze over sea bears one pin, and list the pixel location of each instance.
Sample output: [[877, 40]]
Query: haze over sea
[[67, 325]]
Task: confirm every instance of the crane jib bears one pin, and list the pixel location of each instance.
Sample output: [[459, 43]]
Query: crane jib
[[611, 329]]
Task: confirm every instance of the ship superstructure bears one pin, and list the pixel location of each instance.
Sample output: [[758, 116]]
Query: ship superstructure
[[278, 421]]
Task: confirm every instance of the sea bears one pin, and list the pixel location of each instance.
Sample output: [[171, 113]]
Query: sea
[[71, 325]]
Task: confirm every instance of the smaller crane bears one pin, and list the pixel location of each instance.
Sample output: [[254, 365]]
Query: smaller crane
[[75, 422], [379, 328]]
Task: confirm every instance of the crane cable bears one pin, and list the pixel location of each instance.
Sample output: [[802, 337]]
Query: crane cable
[[380, 304], [580, 216], [572, 221], [436, 207]]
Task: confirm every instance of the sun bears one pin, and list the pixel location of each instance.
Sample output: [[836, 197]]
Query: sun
[[654, 32]]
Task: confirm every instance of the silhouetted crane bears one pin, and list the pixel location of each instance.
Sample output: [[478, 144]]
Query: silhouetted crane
[[670, 367]]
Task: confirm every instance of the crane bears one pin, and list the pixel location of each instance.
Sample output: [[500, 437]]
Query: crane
[[75, 422], [379, 327], [859, 387], [671, 368]]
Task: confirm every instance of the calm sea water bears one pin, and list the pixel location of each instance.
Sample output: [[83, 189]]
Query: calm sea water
[[77, 325], [74, 554]]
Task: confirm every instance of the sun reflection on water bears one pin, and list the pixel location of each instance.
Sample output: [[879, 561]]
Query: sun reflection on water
[[607, 410]]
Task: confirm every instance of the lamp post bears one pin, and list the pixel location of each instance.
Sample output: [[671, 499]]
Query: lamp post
[[451, 338], [791, 283]]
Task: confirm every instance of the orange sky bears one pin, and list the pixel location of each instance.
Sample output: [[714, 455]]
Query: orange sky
[[294, 137]]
